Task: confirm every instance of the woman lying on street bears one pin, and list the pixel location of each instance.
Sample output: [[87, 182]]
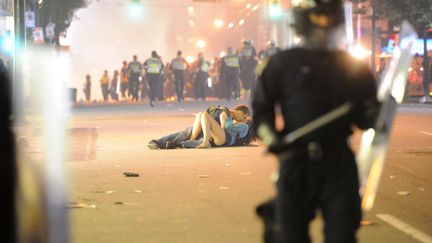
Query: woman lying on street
[[218, 126]]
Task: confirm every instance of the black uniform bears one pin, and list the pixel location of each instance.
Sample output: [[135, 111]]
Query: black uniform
[[319, 170], [8, 176]]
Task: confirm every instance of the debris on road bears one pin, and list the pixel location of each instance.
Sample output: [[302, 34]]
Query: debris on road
[[130, 174], [203, 176], [138, 191], [72, 205], [97, 191], [421, 189], [227, 164], [118, 203], [223, 188], [404, 193], [246, 173], [392, 177], [109, 192]]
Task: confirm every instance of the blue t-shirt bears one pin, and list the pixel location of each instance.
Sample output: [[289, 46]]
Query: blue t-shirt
[[235, 130]]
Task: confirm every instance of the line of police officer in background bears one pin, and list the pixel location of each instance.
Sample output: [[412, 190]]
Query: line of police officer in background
[[222, 78]]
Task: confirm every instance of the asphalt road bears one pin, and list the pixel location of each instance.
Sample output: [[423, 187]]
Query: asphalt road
[[194, 196]]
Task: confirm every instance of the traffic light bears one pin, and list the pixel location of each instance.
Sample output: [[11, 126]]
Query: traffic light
[[135, 8], [275, 9]]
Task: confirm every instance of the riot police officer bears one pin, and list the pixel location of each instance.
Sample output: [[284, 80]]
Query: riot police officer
[[248, 64], [270, 50], [318, 170], [201, 76], [153, 67], [134, 70], [229, 72], [179, 66]]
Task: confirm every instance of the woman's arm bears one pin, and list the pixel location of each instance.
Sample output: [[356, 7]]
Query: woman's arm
[[223, 117]]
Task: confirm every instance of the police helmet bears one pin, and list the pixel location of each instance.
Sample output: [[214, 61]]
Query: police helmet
[[323, 14], [271, 43], [246, 42]]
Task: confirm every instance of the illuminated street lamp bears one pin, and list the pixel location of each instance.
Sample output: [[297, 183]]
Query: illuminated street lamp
[[201, 43], [135, 9], [360, 52], [191, 23], [275, 9], [241, 22], [190, 59], [218, 23], [230, 25]]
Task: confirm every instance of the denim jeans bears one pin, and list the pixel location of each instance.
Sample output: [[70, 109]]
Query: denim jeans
[[180, 140]]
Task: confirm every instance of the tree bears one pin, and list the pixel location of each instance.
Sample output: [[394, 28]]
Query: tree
[[418, 13], [59, 12]]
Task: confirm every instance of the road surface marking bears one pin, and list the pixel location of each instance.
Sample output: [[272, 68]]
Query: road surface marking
[[426, 133], [406, 228]]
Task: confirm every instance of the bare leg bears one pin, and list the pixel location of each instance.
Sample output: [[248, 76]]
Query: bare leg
[[196, 129], [211, 129]]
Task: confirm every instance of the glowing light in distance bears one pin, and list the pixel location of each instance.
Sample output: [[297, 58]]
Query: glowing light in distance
[[135, 10], [190, 9], [218, 23], [360, 52], [201, 43], [230, 25], [241, 22], [209, 82], [190, 59], [410, 69], [191, 23], [222, 54], [248, 6], [255, 7]]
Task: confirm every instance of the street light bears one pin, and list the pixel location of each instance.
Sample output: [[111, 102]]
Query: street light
[[275, 9], [201, 43], [218, 23], [135, 9]]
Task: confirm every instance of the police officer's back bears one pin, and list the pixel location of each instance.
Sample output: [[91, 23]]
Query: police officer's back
[[318, 171]]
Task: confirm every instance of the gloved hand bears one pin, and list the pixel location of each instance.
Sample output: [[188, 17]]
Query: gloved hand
[[271, 139], [277, 147]]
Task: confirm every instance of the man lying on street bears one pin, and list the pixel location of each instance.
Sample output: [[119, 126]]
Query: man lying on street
[[216, 127]]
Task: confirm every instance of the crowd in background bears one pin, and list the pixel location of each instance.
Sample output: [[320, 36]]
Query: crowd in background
[[230, 76]]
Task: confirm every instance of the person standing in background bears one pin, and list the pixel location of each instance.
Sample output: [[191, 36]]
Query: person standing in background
[[230, 66], [124, 82], [153, 67], [114, 85], [104, 82], [87, 88], [134, 71], [201, 76], [179, 66]]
